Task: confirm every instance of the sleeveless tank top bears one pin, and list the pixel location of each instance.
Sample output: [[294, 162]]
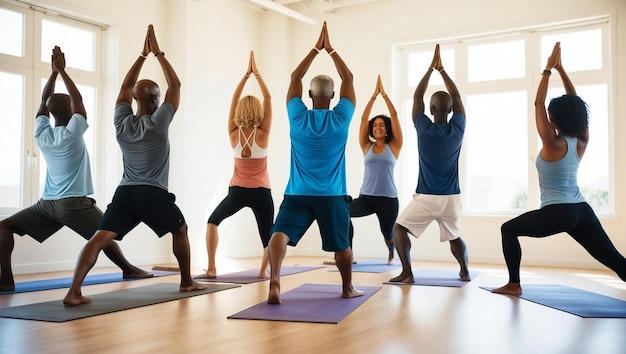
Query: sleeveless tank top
[[558, 180], [378, 180], [250, 172]]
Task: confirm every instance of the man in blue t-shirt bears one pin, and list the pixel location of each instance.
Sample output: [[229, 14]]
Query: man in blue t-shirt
[[316, 190], [64, 200], [437, 196]]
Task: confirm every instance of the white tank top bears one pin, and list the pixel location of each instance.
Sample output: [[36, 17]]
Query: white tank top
[[256, 152]]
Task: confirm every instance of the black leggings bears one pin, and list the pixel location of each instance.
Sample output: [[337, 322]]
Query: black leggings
[[386, 209], [578, 220], [258, 199]]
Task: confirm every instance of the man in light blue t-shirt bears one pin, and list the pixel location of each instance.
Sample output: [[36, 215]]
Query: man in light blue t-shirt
[[437, 196], [316, 190], [64, 200]]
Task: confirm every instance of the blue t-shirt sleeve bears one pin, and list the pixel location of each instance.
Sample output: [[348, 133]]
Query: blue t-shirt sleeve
[[344, 109], [296, 108], [77, 125], [458, 122], [41, 124]]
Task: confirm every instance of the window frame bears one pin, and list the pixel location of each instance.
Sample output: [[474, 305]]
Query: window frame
[[35, 71], [534, 65]]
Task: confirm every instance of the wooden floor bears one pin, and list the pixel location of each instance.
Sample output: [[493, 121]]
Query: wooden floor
[[397, 319]]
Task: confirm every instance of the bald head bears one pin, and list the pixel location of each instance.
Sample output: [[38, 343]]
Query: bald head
[[147, 94], [60, 105], [146, 89], [322, 86], [440, 105]]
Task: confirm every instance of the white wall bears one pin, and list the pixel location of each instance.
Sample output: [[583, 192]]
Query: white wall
[[208, 41]]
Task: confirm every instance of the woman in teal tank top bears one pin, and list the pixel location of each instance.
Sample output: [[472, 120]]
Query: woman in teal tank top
[[564, 132]]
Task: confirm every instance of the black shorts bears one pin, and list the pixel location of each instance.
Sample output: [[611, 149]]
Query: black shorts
[[42, 219], [151, 205]]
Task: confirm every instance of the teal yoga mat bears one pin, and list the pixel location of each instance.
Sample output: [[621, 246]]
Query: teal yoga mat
[[60, 283], [54, 311]]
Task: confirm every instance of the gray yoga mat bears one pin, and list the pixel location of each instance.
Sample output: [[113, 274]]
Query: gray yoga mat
[[54, 311], [317, 303]]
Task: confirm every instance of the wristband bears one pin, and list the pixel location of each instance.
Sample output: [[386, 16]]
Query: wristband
[[143, 55], [316, 49], [159, 53], [331, 52], [546, 72]]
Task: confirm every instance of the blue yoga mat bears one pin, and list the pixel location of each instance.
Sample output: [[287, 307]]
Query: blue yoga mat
[[316, 303], [250, 276], [575, 301], [60, 283], [372, 266], [437, 277]]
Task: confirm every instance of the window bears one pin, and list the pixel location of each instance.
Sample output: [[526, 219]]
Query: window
[[23, 74], [497, 76]]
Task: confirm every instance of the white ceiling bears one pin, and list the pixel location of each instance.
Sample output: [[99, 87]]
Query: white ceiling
[[304, 10], [317, 6]]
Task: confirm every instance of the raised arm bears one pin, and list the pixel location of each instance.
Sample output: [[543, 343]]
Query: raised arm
[[457, 103], [126, 91], [569, 89], [295, 85], [420, 90], [48, 89], [546, 130], [364, 134], [76, 100], [266, 124], [235, 101], [347, 80], [396, 139], [172, 95]]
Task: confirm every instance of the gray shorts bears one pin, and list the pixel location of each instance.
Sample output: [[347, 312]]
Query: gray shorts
[[42, 219]]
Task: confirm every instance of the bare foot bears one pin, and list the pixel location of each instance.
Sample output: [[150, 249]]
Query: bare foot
[[274, 296], [390, 261], [465, 276], [509, 289], [71, 300], [206, 275], [403, 278], [136, 273], [352, 293], [193, 287], [263, 274], [7, 286]]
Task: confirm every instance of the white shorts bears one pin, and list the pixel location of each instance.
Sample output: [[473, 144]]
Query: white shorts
[[424, 208]]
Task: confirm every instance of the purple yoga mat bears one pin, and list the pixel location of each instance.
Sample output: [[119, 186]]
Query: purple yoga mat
[[316, 303], [437, 277], [250, 276]]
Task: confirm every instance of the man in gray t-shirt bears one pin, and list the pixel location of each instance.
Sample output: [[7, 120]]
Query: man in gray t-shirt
[[142, 195]]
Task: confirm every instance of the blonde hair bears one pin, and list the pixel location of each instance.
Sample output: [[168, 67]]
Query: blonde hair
[[249, 112]]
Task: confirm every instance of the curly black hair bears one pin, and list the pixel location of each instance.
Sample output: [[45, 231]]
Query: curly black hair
[[570, 115], [387, 121]]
